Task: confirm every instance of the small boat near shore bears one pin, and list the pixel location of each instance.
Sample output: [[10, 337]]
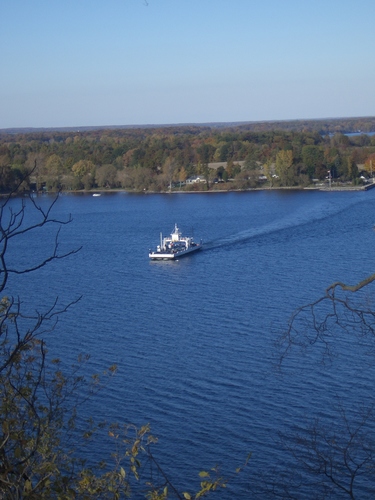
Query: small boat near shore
[[174, 246]]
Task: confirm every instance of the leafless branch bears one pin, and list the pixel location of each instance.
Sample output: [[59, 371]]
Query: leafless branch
[[12, 225], [333, 457], [341, 308]]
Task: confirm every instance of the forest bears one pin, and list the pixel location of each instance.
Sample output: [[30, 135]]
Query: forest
[[189, 157]]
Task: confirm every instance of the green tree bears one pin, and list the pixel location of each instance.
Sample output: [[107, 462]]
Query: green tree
[[352, 169], [220, 171], [7, 178], [233, 169], [205, 155], [313, 158]]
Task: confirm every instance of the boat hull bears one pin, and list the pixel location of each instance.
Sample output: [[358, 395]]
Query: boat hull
[[173, 255]]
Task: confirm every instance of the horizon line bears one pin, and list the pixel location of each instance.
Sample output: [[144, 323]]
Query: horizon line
[[177, 124]]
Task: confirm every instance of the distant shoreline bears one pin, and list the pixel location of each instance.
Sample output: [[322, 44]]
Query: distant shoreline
[[289, 188], [248, 190]]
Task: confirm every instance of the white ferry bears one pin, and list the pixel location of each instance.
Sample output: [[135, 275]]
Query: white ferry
[[174, 246]]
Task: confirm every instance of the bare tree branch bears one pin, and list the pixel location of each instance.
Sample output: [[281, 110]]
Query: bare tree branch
[[321, 321]]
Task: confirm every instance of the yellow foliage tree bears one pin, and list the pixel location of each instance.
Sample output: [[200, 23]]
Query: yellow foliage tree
[[284, 167]]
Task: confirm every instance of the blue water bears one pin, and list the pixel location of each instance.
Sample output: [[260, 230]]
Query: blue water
[[194, 339]]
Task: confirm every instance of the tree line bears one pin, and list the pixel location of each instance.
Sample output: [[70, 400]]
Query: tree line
[[162, 158]]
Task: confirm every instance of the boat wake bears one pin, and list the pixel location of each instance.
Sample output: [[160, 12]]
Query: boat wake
[[297, 219]]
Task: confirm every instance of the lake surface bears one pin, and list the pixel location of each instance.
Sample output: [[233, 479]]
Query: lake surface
[[194, 339]]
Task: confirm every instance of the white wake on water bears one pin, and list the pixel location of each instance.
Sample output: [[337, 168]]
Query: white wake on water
[[296, 219]]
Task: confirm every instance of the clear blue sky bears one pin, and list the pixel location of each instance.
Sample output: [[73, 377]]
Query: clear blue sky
[[123, 62]]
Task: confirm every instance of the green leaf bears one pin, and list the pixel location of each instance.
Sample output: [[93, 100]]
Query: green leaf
[[187, 495]]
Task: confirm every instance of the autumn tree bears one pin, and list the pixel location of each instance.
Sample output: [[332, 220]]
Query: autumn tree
[[370, 164], [84, 171], [106, 176], [284, 167], [31, 415], [182, 175], [169, 171], [192, 147], [269, 171], [53, 172]]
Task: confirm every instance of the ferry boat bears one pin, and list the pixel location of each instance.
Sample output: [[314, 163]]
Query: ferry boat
[[174, 246]]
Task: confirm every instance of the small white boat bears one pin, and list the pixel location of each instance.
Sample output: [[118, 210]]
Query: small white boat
[[97, 194], [174, 246]]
